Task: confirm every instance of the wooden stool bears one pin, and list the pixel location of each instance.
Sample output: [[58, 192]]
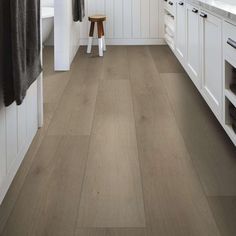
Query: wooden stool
[[101, 36]]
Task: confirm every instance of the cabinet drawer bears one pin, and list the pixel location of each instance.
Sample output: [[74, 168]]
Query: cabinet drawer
[[169, 5], [230, 40]]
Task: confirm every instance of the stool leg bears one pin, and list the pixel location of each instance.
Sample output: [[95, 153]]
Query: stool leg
[[90, 41], [100, 44], [104, 43], [103, 38]]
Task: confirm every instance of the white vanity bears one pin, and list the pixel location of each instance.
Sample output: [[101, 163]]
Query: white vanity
[[204, 41]]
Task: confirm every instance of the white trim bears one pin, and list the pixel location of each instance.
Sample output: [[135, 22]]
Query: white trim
[[40, 100], [40, 81], [160, 41]]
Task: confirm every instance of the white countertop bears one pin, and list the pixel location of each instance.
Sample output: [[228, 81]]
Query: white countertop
[[224, 8]]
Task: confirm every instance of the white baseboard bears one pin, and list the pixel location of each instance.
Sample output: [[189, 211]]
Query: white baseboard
[[127, 41]]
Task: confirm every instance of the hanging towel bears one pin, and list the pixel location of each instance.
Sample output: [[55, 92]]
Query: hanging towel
[[22, 44], [6, 75], [78, 10]]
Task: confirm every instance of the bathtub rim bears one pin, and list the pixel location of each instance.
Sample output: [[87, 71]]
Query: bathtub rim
[[47, 12]]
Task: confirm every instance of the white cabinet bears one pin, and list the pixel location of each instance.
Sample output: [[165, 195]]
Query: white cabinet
[[212, 67], [229, 97], [211, 48], [180, 30], [193, 44]]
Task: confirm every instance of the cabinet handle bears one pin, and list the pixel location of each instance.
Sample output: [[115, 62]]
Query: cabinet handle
[[195, 10], [203, 15], [232, 43], [165, 0], [171, 3], [181, 3]]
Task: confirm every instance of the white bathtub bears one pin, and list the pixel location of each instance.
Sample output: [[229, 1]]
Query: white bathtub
[[47, 22]]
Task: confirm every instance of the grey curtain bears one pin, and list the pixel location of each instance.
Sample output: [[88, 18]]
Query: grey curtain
[[21, 48], [78, 10]]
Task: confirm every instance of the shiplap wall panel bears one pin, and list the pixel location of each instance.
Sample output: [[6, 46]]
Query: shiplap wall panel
[[136, 13], [100, 5], [3, 158], [145, 18], [32, 111], [110, 19], [18, 126], [11, 133], [21, 126], [84, 26], [92, 5], [154, 18], [118, 19], [161, 29], [126, 19]]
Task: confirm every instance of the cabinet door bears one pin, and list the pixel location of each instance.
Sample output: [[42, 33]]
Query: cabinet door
[[181, 30], [212, 78], [193, 44]]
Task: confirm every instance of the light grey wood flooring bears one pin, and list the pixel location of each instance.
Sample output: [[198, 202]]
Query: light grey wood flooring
[[112, 191], [129, 148]]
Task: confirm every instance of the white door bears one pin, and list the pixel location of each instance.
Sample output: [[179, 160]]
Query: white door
[[212, 78], [193, 44], [181, 30]]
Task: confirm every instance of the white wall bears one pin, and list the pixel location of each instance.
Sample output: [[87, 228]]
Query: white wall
[[66, 35], [128, 21]]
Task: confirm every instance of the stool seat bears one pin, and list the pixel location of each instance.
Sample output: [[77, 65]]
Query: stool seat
[[97, 18]]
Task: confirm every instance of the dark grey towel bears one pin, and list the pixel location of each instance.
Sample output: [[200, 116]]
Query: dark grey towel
[[78, 10], [6, 75], [21, 22]]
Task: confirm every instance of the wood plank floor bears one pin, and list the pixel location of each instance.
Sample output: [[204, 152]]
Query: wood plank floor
[[129, 148], [112, 191]]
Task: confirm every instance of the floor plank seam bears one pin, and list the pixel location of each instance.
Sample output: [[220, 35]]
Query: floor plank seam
[[135, 123], [89, 142]]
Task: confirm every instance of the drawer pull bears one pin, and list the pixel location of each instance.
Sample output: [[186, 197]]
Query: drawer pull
[[171, 3], [232, 43], [165, 0], [181, 3], [195, 10], [203, 15]]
